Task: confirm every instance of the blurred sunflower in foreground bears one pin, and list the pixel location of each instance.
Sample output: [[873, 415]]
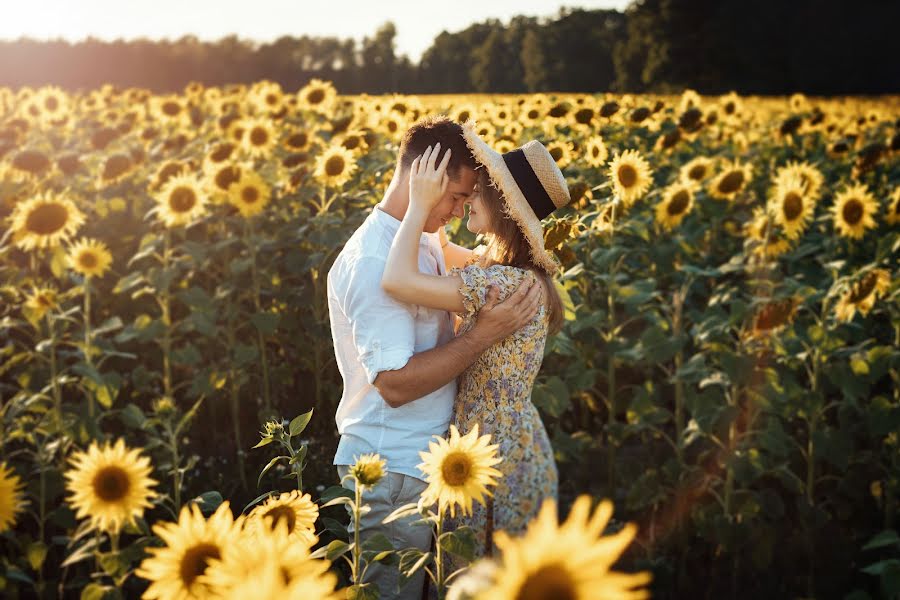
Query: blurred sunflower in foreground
[[177, 569], [110, 485], [296, 511], [551, 561]]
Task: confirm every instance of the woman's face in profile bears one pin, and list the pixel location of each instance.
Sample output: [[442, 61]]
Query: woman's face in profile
[[479, 219]]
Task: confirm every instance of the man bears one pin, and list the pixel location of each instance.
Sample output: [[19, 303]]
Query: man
[[399, 362]]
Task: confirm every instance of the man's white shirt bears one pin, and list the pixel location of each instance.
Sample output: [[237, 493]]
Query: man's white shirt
[[372, 333]]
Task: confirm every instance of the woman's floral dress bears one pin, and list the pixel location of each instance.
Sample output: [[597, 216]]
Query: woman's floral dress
[[495, 393]]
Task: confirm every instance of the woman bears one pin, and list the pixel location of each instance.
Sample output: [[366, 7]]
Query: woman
[[514, 192]]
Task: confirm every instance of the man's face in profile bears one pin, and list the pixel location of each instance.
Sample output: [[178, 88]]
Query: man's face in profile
[[452, 203]]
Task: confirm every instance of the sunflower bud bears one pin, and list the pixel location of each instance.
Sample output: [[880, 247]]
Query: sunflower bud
[[368, 469]]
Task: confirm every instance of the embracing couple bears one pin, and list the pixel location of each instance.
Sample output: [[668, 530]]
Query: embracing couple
[[410, 367]]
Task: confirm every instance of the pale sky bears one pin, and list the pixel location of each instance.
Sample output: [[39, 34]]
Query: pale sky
[[264, 20]]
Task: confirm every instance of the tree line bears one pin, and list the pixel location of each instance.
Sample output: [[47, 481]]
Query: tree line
[[713, 46]]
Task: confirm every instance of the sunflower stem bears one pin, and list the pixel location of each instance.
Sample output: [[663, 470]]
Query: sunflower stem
[[267, 401], [88, 357], [57, 394], [166, 319], [356, 525], [234, 402], [438, 555], [610, 367]]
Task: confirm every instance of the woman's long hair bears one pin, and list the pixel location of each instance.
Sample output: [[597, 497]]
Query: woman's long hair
[[507, 246]]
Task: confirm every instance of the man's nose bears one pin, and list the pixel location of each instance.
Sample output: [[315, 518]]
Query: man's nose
[[459, 210]]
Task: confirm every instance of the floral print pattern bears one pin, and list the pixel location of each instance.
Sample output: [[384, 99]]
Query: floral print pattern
[[495, 393]]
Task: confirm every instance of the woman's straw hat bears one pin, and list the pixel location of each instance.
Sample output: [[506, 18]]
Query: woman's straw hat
[[532, 186]]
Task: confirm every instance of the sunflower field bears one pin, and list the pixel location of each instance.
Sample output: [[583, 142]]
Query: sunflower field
[[726, 385]]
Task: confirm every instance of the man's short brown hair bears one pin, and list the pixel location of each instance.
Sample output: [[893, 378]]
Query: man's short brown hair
[[428, 132]]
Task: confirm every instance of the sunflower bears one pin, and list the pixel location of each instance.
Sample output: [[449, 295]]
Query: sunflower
[[171, 110], [12, 501], [110, 485], [731, 105], [853, 210], [571, 560], [595, 151], [89, 257], [220, 155], [731, 180], [30, 164], [677, 202], [368, 469], [115, 168], [696, 170], [689, 99], [318, 96], [178, 569], [631, 176], [530, 114], [40, 301], [862, 295], [221, 180], [773, 316], [267, 97], [181, 200], [249, 194], [295, 510], [297, 140], [270, 565], [459, 471], [811, 178], [354, 141], [45, 221], [760, 229], [791, 207], [893, 207], [335, 166], [52, 103], [259, 137]]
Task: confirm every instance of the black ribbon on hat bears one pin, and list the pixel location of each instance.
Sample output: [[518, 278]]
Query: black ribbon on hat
[[528, 183]]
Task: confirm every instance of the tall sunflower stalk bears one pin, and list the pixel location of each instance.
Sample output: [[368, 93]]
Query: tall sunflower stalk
[[250, 241], [88, 354]]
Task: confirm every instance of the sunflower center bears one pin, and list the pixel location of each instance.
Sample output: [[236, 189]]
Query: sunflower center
[[250, 195], [281, 512], [51, 103], [111, 484], [863, 288], [556, 153], [47, 218], [182, 199], [227, 176], [793, 206], [298, 140], [550, 582], [697, 173], [456, 468], [315, 96], [334, 166], [679, 203], [87, 260], [115, 166], [222, 152], [732, 182], [171, 108], [595, 151], [853, 211], [285, 576], [31, 161], [195, 561], [628, 176], [259, 136]]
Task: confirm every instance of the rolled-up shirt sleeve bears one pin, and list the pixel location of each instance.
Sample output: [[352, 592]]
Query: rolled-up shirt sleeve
[[383, 329]]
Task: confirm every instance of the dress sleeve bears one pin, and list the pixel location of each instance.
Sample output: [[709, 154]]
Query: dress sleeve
[[477, 279]]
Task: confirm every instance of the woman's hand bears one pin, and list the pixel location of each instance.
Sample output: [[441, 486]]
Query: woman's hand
[[427, 182]]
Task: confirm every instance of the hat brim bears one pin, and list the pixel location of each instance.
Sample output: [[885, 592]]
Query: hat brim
[[515, 204]]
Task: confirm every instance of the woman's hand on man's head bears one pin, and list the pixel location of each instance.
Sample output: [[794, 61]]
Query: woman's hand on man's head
[[428, 179]]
